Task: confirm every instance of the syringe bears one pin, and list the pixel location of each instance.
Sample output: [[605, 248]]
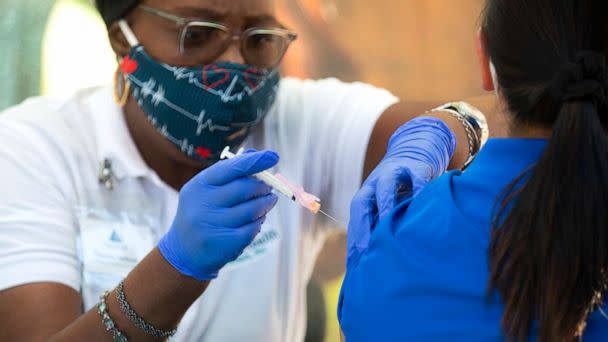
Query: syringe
[[280, 184]]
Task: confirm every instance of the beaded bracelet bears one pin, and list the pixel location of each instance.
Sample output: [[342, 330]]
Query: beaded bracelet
[[102, 309], [138, 321]]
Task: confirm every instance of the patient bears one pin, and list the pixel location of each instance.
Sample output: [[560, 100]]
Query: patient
[[516, 246]]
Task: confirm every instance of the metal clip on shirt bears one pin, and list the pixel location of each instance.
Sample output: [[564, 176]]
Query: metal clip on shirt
[[106, 175]]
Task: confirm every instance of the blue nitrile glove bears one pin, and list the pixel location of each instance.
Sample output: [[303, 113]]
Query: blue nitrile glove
[[220, 212], [418, 152]]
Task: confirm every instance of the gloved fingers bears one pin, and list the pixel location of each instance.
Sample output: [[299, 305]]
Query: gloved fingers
[[391, 186], [425, 139], [249, 231], [418, 183], [243, 213], [360, 232], [240, 238], [365, 199], [238, 191], [363, 210], [244, 165]]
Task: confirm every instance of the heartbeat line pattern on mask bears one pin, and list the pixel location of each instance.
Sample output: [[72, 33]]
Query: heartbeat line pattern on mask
[[203, 109], [249, 78]]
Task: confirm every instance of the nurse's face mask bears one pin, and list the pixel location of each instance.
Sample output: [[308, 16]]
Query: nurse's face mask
[[202, 109]]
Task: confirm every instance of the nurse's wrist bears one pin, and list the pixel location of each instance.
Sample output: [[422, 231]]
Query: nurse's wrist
[[137, 320], [461, 151], [172, 290], [474, 128], [157, 292], [167, 247]]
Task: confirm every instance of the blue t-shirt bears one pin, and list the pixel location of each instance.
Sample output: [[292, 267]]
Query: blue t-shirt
[[424, 276]]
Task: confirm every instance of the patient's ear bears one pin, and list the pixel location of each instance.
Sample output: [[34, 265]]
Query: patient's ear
[[487, 81], [119, 43]]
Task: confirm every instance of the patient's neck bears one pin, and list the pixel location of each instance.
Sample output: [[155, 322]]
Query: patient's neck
[[517, 129], [529, 132]]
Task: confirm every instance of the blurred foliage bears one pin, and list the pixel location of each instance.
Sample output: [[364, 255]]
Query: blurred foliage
[[22, 26]]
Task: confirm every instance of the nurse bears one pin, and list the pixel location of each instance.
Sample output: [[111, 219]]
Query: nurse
[[516, 246], [89, 197]]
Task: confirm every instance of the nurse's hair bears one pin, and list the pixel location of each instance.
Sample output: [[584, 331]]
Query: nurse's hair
[[549, 248]]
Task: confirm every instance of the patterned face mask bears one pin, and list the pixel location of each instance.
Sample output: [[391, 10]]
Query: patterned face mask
[[200, 109]]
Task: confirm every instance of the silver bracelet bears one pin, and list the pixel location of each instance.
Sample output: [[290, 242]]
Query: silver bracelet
[[138, 321], [102, 309], [474, 123]]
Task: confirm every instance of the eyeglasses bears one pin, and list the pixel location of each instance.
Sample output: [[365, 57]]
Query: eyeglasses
[[204, 41]]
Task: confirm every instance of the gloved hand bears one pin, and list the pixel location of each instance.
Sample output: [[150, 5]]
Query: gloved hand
[[220, 211], [418, 152]]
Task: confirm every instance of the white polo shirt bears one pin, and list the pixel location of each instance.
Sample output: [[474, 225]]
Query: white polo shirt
[[59, 224]]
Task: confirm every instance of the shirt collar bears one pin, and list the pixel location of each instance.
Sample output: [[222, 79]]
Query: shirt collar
[[113, 139]]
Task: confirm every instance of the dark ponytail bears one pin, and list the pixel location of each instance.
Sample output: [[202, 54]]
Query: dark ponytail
[[549, 248]]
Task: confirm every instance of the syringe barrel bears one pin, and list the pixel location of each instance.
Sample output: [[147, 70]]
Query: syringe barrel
[[265, 177], [274, 183]]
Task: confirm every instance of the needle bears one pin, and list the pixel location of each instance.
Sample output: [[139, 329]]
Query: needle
[[331, 217]]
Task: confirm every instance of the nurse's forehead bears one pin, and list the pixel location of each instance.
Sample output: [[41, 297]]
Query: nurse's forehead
[[217, 8]]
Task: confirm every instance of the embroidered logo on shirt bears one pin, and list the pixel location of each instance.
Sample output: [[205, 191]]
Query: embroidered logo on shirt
[[114, 237], [258, 247]]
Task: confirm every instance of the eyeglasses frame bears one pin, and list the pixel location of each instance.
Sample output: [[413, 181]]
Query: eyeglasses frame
[[184, 23]]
